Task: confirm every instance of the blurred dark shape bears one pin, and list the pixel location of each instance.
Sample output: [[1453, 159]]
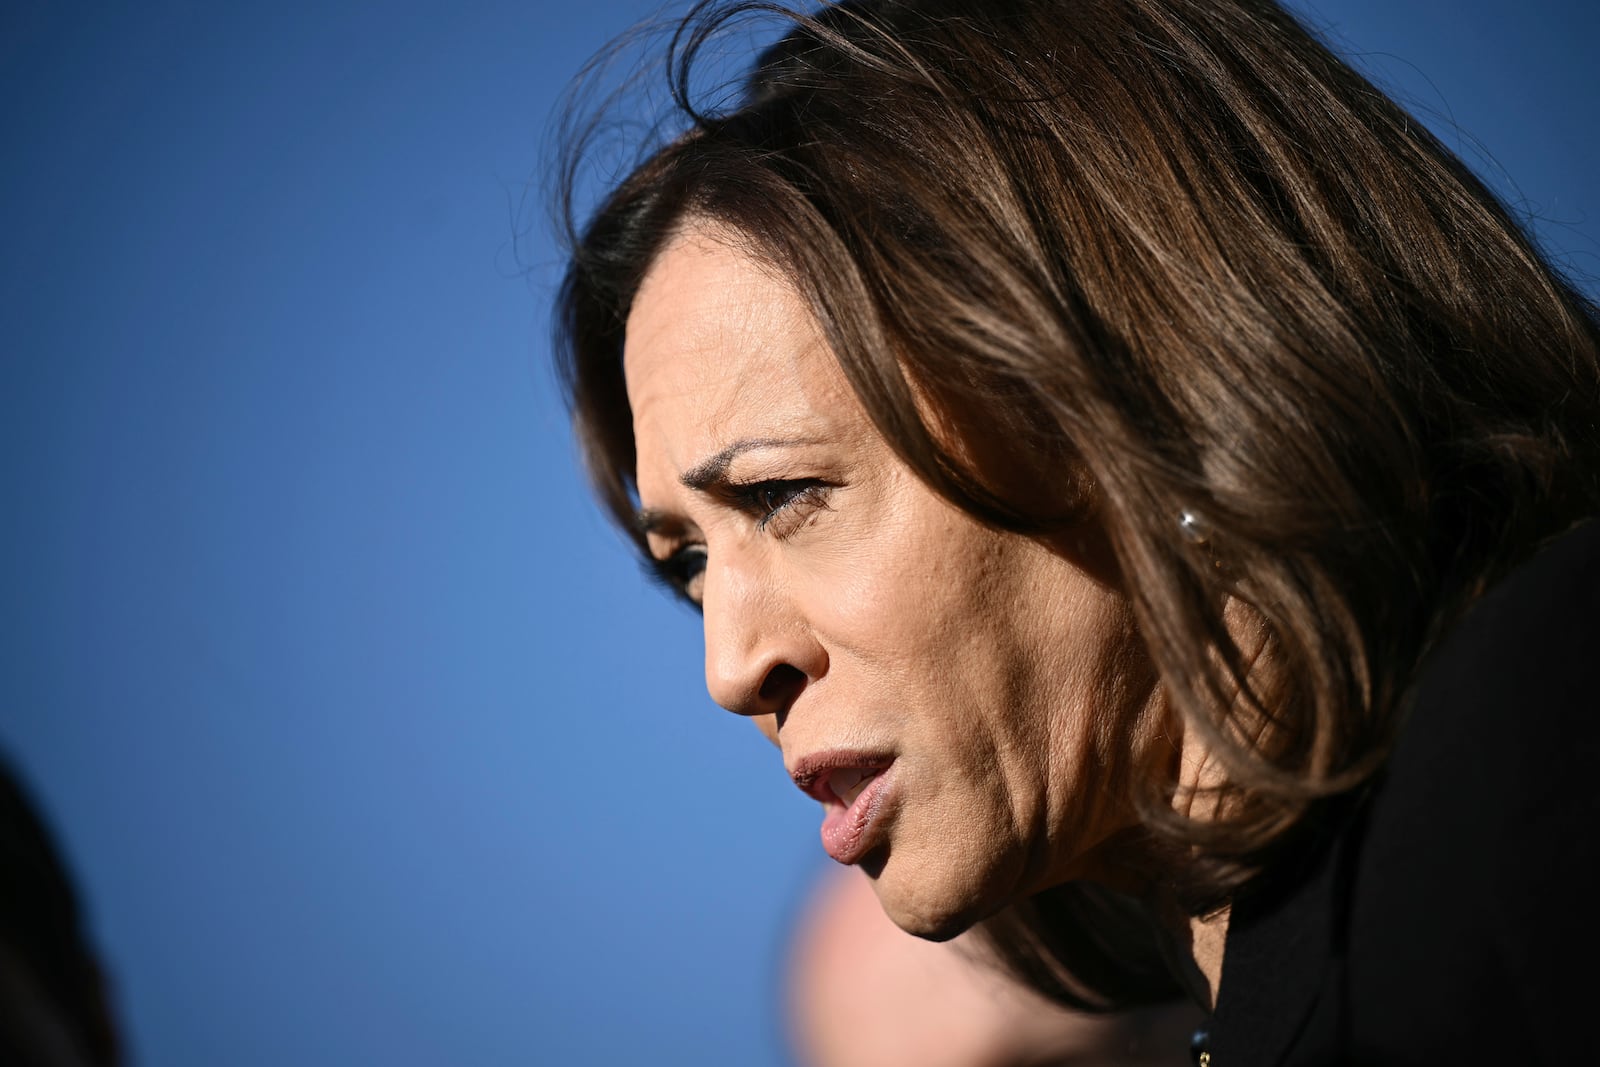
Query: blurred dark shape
[[54, 1011]]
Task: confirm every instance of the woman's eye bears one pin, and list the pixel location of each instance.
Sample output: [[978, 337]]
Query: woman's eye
[[773, 497], [679, 570], [782, 507]]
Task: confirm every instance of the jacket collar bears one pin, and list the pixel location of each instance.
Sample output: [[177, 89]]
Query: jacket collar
[[1280, 985]]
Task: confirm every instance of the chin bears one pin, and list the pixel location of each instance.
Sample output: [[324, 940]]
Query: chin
[[933, 928], [926, 906]]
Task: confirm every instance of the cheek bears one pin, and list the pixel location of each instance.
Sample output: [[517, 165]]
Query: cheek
[[901, 581]]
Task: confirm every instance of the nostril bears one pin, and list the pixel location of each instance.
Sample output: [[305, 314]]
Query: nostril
[[780, 687]]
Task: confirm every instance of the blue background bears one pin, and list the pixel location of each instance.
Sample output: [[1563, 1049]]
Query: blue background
[[364, 737]]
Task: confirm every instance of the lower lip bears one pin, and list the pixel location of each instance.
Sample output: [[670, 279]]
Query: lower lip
[[847, 832]]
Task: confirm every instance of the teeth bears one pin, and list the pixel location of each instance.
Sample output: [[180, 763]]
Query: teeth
[[843, 782], [848, 782]]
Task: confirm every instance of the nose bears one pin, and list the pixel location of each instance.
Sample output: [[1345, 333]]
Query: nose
[[760, 651]]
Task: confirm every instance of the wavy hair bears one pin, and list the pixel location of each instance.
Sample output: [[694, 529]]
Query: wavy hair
[[1166, 257]]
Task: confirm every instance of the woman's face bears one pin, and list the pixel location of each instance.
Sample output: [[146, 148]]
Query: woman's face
[[968, 704]]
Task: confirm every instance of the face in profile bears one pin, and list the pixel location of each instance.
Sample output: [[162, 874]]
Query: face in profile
[[967, 704]]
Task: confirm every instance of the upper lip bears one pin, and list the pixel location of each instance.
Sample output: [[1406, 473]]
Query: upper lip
[[812, 773]]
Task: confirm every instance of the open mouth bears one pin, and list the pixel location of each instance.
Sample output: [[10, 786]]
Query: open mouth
[[847, 783], [852, 788], [837, 776]]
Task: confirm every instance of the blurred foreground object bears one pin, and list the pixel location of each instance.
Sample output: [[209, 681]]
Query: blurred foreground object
[[863, 993], [53, 1006]]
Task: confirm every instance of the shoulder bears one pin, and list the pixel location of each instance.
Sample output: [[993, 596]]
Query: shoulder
[[1506, 703], [1533, 635], [1467, 902], [1505, 700], [1445, 918]]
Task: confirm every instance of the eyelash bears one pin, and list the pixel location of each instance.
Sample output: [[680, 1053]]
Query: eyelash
[[678, 570], [802, 497], [798, 499]]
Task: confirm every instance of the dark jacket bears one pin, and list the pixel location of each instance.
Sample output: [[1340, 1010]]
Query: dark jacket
[[1450, 915]]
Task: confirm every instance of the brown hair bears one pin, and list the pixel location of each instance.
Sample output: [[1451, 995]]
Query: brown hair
[[1176, 257]]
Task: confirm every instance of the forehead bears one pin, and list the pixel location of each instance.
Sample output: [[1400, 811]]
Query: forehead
[[720, 347]]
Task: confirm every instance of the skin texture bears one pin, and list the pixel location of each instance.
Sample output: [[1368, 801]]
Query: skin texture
[[848, 607]]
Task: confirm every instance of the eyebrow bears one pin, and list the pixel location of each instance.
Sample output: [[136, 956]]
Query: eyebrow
[[711, 472]]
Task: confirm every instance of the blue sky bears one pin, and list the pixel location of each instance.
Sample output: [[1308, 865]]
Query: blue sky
[[364, 736]]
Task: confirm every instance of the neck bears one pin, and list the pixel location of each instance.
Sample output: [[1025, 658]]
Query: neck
[[1200, 796], [1208, 937]]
